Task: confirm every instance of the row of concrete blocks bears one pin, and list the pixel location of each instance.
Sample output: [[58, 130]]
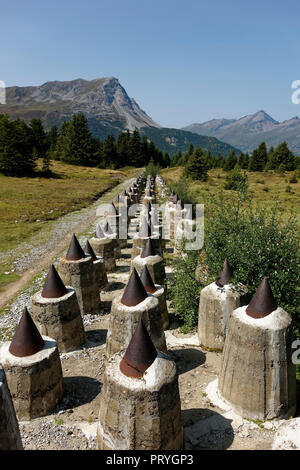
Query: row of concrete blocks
[[257, 376], [35, 382], [144, 413]]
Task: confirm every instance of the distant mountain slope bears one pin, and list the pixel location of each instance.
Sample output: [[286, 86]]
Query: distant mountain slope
[[107, 107], [175, 140], [55, 101], [249, 131]]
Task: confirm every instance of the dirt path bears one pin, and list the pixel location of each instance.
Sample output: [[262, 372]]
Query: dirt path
[[56, 242]]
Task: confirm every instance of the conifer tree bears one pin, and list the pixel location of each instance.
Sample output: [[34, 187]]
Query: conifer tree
[[197, 165], [230, 161]]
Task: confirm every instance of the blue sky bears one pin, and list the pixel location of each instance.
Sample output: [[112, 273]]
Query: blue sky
[[182, 61]]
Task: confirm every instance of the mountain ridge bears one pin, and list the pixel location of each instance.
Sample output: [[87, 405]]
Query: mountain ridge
[[249, 131], [107, 107]]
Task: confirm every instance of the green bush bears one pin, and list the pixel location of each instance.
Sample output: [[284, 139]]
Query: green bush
[[236, 181], [257, 242], [184, 289]]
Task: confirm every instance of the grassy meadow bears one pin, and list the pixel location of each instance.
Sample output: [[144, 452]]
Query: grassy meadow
[[265, 188], [29, 205]]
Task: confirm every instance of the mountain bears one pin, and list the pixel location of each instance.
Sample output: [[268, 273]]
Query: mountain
[[107, 107], [249, 131], [102, 99], [175, 140]]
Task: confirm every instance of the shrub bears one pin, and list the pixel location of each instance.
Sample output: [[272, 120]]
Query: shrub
[[288, 189], [257, 242], [293, 179], [260, 181], [266, 189], [236, 181]]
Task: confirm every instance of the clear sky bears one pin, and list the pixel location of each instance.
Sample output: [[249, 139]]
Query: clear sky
[[183, 61]]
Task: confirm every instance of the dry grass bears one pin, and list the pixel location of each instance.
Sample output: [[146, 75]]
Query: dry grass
[[29, 205], [258, 182]]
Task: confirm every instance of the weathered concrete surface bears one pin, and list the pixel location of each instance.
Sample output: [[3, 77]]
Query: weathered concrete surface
[[161, 295], [287, 436], [35, 382], [104, 247], [59, 319], [124, 321], [10, 438], [155, 265], [215, 308], [100, 273], [80, 275], [140, 414], [257, 377], [138, 243]]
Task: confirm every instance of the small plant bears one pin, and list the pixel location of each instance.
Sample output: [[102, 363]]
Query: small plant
[[260, 181], [266, 189], [293, 179], [59, 422], [288, 189], [236, 181]]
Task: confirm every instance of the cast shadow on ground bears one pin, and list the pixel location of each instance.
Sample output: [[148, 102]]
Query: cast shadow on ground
[[123, 269], [112, 286], [205, 429], [187, 359], [78, 391], [95, 338]]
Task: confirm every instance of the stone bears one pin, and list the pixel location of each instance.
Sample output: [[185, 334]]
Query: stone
[[257, 377], [215, 308], [104, 248], [10, 438], [155, 265], [140, 413], [35, 382], [124, 319], [80, 275], [60, 319]]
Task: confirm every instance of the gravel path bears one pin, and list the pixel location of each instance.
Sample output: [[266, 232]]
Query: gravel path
[[31, 257], [31, 260]]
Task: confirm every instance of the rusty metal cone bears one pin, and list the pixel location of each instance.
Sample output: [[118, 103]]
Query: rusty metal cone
[[263, 302], [224, 275], [148, 249], [107, 229], [145, 229], [140, 353], [99, 232], [54, 286], [89, 251], [147, 280], [27, 340], [134, 293], [75, 252]]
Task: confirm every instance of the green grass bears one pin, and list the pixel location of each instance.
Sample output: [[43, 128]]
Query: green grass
[[275, 184], [29, 206]]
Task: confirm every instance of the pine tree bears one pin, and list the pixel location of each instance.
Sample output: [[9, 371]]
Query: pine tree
[[230, 161], [39, 138], [258, 158], [282, 156], [197, 165]]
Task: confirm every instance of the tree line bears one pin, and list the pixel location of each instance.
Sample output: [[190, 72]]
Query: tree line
[[197, 162], [21, 145]]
